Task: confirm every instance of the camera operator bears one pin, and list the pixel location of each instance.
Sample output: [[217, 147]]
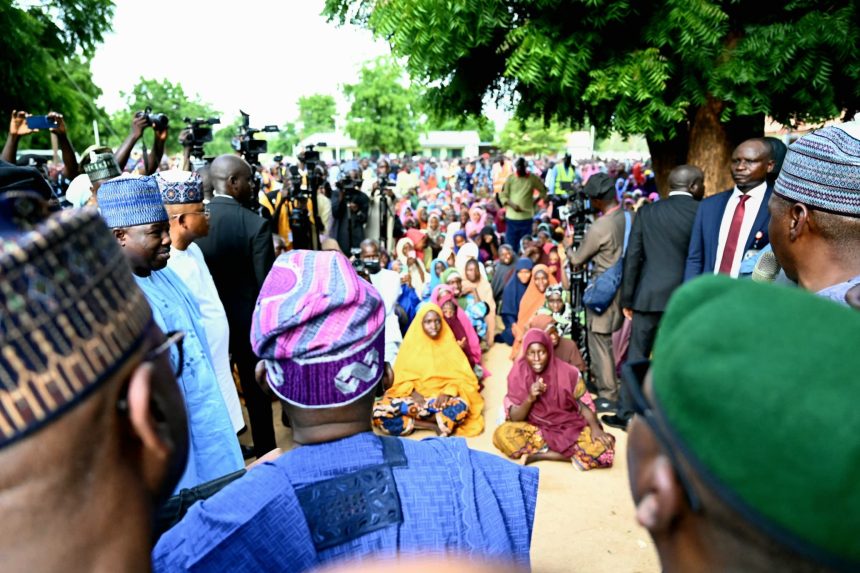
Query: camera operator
[[139, 123], [602, 245], [387, 283], [350, 208], [382, 225], [18, 128]]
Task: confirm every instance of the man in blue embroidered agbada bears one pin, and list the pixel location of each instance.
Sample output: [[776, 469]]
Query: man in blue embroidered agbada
[[132, 207], [345, 492]]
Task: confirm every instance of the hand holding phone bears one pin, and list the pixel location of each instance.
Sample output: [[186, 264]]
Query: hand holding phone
[[37, 122]]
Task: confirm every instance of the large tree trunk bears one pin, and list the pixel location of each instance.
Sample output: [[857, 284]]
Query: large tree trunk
[[666, 155], [712, 143]]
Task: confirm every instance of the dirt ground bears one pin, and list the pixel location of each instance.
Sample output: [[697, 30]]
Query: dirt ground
[[584, 520]]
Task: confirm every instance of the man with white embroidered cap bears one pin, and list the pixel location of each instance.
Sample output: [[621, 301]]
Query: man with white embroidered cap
[[346, 492]]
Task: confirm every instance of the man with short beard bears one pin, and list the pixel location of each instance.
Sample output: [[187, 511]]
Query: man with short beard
[[133, 209]]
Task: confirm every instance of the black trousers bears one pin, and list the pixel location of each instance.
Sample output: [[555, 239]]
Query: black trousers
[[642, 334], [259, 404]]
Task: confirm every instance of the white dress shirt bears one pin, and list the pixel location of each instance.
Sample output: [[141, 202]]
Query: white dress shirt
[[751, 209], [387, 283], [191, 268]]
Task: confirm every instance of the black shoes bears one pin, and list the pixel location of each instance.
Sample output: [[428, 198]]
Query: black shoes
[[247, 451], [615, 421]]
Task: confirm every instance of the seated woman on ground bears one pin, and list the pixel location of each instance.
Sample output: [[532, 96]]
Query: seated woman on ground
[[461, 326], [548, 418], [470, 302], [533, 299], [564, 349], [434, 387], [512, 296], [561, 311]]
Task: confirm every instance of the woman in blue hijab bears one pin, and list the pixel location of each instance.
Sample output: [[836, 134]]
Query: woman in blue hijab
[[514, 291], [437, 267]]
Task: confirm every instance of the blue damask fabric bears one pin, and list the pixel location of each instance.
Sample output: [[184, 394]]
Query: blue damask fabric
[[454, 501]]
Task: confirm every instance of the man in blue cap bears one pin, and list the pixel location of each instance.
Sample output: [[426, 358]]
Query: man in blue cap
[[132, 207]]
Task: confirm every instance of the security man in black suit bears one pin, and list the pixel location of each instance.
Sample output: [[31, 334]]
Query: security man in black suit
[[654, 265], [239, 253]]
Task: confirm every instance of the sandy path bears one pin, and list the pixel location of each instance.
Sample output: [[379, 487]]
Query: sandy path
[[584, 520]]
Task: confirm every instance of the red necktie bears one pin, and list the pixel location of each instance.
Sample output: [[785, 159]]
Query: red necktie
[[732, 240]]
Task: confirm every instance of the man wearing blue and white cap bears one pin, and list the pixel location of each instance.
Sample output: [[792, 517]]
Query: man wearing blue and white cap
[[132, 207], [815, 211], [346, 492]]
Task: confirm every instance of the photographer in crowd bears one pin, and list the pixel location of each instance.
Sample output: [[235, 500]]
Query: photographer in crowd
[[18, 128], [350, 208], [142, 120], [603, 245]]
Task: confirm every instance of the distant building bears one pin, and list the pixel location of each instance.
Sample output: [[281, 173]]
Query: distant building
[[438, 144]]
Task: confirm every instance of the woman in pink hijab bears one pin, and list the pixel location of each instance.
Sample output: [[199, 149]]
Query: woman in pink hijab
[[477, 221]]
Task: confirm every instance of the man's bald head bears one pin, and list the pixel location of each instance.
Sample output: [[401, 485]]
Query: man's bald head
[[688, 178], [231, 175]]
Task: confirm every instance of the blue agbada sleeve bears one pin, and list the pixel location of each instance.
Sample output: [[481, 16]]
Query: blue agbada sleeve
[[253, 524]]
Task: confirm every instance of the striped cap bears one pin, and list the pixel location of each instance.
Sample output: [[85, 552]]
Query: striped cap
[[822, 170], [131, 201], [320, 329], [71, 314]]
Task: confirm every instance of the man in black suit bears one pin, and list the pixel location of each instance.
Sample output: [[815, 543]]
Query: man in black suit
[[654, 265], [239, 253]]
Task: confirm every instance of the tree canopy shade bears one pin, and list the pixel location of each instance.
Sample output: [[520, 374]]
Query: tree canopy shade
[[45, 66], [694, 77], [316, 114], [383, 112]]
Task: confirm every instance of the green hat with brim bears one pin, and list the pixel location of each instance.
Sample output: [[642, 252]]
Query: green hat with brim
[[759, 386]]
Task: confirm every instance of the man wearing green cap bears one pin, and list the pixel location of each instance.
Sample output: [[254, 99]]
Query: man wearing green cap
[[719, 490]]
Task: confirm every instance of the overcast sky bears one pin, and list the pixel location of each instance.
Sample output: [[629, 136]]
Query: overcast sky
[[233, 54]]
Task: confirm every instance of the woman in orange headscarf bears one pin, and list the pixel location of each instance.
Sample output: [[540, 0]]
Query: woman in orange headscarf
[[533, 299], [434, 386]]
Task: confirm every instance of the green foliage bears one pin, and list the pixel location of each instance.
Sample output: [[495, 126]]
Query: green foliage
[[285, 140], [45, 65], [623, 65], [485, 127], [316, 114], [163, 96], [533, 137], [383, 112], [221, 139]]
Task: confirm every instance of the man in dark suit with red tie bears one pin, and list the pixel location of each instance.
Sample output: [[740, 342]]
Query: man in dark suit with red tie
[[732, 226]]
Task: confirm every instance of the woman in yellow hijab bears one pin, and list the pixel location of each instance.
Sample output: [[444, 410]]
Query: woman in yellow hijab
[[434, 386]]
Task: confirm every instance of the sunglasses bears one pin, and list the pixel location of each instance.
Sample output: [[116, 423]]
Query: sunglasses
[[633, 377]]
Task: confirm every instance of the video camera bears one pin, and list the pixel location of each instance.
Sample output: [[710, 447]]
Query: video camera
[[246, 144], [199, 132]]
